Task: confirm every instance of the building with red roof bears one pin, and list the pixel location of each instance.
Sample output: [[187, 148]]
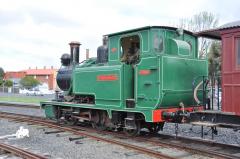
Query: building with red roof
[[13, 74], [44, 75]]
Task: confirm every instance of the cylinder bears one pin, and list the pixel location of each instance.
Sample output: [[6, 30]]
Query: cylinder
[[74, 49]]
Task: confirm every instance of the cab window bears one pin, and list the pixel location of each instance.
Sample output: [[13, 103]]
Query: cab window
[[157, 43], [130, 49]]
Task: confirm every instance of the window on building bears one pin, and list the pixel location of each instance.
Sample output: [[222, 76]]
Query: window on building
[[238, 52], [46, 76]]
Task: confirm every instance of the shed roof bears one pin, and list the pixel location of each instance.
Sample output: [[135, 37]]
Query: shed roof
[[234, 24], [215, 33]]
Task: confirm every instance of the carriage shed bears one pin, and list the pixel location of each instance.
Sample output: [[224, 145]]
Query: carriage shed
[[229, 34]]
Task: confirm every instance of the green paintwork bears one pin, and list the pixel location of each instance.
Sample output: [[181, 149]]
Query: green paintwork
[[107, 93], [49, 111], [173, 67]]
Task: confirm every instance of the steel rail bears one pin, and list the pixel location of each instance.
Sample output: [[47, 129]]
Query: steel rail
[[200, 151], [20, 152], [19, 105]]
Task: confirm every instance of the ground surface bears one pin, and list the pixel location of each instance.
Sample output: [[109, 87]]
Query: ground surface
[[224, 135], [61, 147], [11, 97], [228, 136]]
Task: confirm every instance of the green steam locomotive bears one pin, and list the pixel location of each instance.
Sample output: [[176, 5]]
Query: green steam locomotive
[[140, 78]]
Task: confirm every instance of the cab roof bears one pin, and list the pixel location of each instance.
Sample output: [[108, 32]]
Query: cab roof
[[147, 28]]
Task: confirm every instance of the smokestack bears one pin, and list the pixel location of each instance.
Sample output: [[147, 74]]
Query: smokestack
[[74, 48], [87, 54], [44, 67], [36, 67]]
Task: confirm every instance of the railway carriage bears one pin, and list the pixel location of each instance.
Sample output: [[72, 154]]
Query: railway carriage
[[140, 79], [229, 114]]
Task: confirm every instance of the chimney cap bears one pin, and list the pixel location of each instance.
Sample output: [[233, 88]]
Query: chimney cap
[[75, 43]]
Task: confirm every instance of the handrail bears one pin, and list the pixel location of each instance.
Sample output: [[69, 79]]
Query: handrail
[[208, 90]]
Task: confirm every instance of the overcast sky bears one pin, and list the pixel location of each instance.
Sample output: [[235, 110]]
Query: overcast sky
[[36, 32]]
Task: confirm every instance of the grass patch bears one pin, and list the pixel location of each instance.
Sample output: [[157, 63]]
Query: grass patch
[[22, 99]]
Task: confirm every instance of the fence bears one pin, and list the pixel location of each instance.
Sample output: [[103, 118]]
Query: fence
[[9, 90], [210, 92]]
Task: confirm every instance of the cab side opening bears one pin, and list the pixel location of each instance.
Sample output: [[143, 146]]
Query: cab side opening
[[130, 55]]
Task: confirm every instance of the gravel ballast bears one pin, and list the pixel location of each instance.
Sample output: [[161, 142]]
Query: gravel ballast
[[224, 135], [61, 147]]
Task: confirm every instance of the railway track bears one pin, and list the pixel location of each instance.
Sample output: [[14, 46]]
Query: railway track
[[195, 146], [205, 148], [50, 124], [19, 105], [8, 149]]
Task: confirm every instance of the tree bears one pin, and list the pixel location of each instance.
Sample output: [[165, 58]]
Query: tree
[[1, 73], [29, 82], [1, 76], [214, 59], [199, 22], [1, 82], [8, 83]]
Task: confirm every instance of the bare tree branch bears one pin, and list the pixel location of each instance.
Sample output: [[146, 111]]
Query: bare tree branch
[[202, 21]]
